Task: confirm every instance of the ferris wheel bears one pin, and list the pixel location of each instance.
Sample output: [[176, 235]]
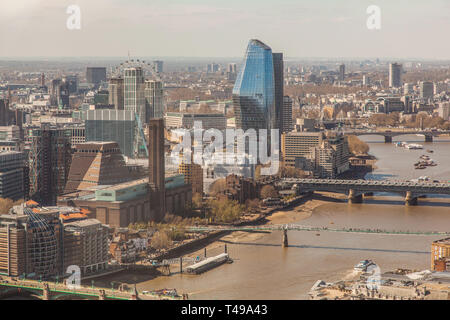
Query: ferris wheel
[[147, 66]]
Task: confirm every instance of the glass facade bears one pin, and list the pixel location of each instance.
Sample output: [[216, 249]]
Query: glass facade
[[112, 125], [254, 89]]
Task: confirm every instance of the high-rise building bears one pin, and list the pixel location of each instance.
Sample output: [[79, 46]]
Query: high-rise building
[[50, 158], [287, 121], [254, 89], [13, 175], [408, 88], [232, 68], [134, 91], [426, 89], [32, 243], [156, 167], [395, 75], [72, 83], [95, 75], [296, 146], [342, 72], [212, 68], [154, 99], [112, 125], [115, 90], [278, 78], [158, 66]]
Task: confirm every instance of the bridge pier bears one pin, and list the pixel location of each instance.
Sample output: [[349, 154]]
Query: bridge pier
[[102, 295], [46, 292], [428, 138], [410, 199], [285, 242], [354, 197], [387, 139]]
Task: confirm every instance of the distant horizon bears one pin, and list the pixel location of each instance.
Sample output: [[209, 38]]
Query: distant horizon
[[168, 58]]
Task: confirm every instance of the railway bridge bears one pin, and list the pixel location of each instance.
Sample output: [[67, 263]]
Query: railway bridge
[[388, 135], [356, 189]]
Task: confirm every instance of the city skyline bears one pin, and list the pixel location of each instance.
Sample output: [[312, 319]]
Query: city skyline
[[112, 28]]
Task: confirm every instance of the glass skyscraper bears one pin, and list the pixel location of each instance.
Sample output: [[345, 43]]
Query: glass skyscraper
[[254, 89]]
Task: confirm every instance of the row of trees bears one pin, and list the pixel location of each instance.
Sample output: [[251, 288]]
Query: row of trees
[[414, 121], [356, 146]]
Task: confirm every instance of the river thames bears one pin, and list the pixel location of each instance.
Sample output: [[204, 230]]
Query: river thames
[[262, 269]]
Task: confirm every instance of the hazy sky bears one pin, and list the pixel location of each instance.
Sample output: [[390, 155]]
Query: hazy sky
[[216, 28]]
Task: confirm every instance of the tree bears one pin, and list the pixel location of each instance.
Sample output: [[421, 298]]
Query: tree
[[218, 186], [252, 205], [197, 200], [6, 204], [268, 191], [225, 210], [356, 146], [160, 240]]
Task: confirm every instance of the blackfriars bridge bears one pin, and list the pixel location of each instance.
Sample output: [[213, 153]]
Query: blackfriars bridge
[[356, 189]]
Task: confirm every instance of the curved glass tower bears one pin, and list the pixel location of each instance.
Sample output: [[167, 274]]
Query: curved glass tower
[[254, 89]]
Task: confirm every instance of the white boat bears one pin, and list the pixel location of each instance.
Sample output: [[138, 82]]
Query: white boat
[[413, 146], [362, 265]]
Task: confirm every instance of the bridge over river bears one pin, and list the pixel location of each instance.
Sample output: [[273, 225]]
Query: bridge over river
[[388, 134], [356, 189], [11, 287]]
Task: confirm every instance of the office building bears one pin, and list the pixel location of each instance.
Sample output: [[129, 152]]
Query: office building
[[342, 72], [30, 243], [154, 99], [254, 89], [72, 83], [78, 134], [115, 91], [186, 120], [156, 167], [212, 68], [426, 89], [112, 125], [286, 121], [331, 158], [296, 147], [13, 175], [85, 244], [395, 75], [408, 89], [95, 75], [278, 78], [50, 158], [158, 66], [193, 175]]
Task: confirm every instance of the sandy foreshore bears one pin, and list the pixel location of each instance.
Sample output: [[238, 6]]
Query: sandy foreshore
[[295, 214]]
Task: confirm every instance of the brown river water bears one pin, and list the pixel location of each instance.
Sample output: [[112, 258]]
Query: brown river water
[[262, 269]]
